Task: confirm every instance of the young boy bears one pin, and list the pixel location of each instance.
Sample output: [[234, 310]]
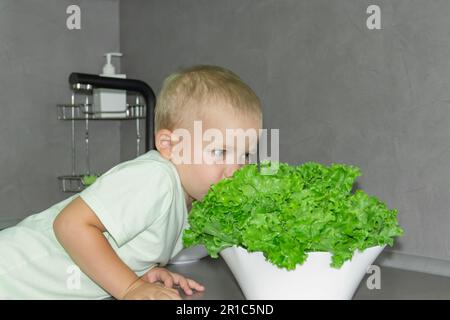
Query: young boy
[[115, 237]]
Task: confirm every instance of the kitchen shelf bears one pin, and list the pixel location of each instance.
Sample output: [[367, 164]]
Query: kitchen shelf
[[72, 183], [86, 112]]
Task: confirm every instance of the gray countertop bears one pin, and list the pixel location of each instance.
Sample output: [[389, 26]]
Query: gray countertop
[[220, 283], [214, 275]]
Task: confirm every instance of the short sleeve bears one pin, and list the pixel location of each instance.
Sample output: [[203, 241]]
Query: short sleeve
[[130, 197]]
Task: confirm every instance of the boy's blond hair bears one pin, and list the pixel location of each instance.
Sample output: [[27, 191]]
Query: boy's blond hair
[[187, 92]]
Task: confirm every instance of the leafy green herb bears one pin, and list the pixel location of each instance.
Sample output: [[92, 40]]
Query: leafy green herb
[[299, 209], [87, 180]]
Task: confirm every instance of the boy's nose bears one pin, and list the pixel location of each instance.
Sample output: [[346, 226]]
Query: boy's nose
[[231, 169]]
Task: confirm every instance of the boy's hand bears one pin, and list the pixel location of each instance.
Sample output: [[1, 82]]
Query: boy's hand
[[170, 278], [143, 290]]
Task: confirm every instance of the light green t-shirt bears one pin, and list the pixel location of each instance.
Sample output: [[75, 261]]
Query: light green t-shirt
[[140, 202]]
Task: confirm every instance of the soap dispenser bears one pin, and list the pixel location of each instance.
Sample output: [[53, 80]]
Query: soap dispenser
[[110, 103]]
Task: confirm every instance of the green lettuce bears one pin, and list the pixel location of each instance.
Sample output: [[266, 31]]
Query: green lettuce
[[299, 209]]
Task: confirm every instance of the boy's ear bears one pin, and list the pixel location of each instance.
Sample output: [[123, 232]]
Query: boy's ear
[[164, 141]]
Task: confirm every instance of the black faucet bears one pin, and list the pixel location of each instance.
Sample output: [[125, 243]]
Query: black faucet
[[139, 86]]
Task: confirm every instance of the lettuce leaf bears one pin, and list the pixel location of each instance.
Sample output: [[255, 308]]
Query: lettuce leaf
[[299, 209]]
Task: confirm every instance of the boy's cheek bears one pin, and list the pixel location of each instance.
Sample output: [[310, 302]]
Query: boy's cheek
[[208, 175]]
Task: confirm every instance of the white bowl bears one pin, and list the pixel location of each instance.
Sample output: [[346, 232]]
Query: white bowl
[[315, 279]]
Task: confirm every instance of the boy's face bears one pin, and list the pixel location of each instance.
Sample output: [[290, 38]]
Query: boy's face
[[211, 149]]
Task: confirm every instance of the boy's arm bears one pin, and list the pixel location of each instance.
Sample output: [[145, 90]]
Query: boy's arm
[[80, 232]]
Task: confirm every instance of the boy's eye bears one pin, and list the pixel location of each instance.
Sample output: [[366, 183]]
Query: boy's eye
[[219, 153]]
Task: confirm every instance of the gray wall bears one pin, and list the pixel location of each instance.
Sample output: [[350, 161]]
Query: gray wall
[[37, 54], [339, 92]]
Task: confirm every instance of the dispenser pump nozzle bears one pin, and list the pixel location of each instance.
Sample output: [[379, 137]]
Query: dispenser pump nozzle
[[108, 68]]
